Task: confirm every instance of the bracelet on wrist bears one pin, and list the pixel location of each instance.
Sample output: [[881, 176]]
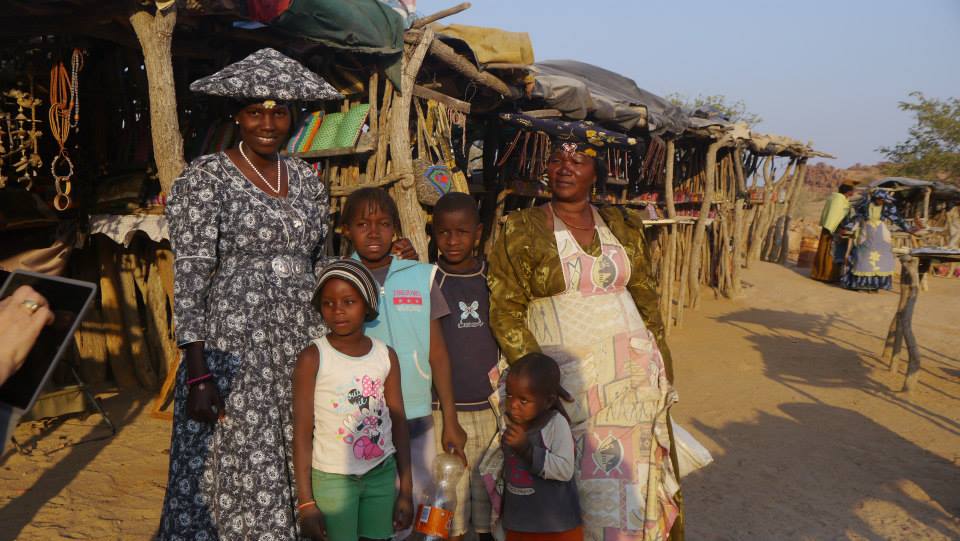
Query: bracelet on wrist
[[304, 505], [193, 381]]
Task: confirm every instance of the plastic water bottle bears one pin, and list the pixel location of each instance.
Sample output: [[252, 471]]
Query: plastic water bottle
[[435, 515]]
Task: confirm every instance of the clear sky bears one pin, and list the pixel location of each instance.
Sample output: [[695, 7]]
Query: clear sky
[[830, 71]]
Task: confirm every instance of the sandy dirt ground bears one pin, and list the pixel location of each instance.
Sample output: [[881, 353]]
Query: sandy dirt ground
[[783, 386]]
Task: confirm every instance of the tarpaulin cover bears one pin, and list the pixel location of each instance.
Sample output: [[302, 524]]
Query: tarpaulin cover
[[366, 26], [893, 182], [490, 45], [580, 90], [363, 26], [939, 190]]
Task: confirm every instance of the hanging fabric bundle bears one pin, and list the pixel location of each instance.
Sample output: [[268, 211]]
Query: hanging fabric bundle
[[64, 114]]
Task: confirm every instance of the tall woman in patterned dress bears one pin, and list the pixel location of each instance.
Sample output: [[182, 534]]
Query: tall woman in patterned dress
[[870, 263], [574, 282], [247, 229]]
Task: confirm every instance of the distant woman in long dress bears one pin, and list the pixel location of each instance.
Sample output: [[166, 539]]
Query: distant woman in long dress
[[870, 264], [575, 282]]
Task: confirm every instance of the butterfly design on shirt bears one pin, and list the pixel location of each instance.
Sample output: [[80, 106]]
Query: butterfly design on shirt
[[469, 310]]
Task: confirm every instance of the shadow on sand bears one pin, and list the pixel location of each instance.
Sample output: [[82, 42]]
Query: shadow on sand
[[122, 408], [812, 466]]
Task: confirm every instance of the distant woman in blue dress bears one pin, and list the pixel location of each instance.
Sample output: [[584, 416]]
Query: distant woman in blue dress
[[870, 264]]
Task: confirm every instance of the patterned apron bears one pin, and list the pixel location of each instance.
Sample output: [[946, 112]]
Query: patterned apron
[[612, 367], [873, 246]]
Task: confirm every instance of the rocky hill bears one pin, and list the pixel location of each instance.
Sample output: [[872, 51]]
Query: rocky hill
[[823, 178]]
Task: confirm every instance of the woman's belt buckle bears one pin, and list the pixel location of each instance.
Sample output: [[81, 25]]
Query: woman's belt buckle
[[285, 266], [281, 266]]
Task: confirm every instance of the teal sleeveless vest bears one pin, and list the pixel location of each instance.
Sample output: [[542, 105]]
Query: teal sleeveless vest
[[404, 324]]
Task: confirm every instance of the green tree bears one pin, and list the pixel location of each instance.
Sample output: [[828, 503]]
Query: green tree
[[932, 150], [736, 111]]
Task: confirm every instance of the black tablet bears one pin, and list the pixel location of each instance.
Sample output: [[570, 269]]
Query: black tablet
[[69, 301]]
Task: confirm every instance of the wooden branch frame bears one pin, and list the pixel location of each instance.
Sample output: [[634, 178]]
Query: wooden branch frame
[[411, 213], [451, 102], [444, 53], [429, 19]]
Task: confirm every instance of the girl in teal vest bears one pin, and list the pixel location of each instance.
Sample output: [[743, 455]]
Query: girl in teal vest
[[409, 323]]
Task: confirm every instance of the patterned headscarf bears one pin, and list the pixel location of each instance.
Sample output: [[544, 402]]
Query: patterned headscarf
[[573, 135], [266, 75], [884, 195], [354, 273]]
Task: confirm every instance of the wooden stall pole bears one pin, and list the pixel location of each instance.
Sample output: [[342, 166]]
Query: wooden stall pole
[[667, 278], [771, 231], [700, 230], [89, 339], [755, 241], [155, 33], [738, 221], [383, 133], [159, 333], [111, 296], [910, 279], [140, 353], [491, 206], [373, 85], [794, 195], [891, 346], [161, 271], [684, 256], [411, 213]]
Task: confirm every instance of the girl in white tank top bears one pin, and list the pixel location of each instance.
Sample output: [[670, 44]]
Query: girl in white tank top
[[350, 441]]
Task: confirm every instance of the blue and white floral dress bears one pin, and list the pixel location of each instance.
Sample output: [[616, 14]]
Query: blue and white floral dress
[[244, 274]]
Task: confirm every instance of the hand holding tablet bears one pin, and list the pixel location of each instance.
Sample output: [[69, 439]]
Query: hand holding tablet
[[38, 316], [22, 316]]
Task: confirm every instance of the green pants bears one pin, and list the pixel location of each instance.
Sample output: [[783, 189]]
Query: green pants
[[355, 506]]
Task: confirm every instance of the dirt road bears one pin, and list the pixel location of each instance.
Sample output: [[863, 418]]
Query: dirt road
[[783, 386]]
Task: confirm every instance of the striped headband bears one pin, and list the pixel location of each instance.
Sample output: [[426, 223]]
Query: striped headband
[[355, 274]]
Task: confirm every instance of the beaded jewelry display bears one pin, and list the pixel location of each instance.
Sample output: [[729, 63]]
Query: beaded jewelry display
[[23, 138], [64, 114]]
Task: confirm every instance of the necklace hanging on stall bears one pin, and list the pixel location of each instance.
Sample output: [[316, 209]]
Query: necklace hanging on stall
[[64, 104]]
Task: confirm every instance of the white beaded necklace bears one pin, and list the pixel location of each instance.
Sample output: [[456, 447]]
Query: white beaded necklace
[[259, 174]]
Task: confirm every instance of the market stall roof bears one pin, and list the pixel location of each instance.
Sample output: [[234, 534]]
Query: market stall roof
[[780, 145], [939, 190], [488, 48], [583, 91]]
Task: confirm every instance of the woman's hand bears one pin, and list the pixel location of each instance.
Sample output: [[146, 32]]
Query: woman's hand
[[22, 316], [312, 524], [402, 512], [204, 403], [404, 249]]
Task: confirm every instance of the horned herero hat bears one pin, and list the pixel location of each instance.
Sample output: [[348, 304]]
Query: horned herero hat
[[266, 74], [573, 135]]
